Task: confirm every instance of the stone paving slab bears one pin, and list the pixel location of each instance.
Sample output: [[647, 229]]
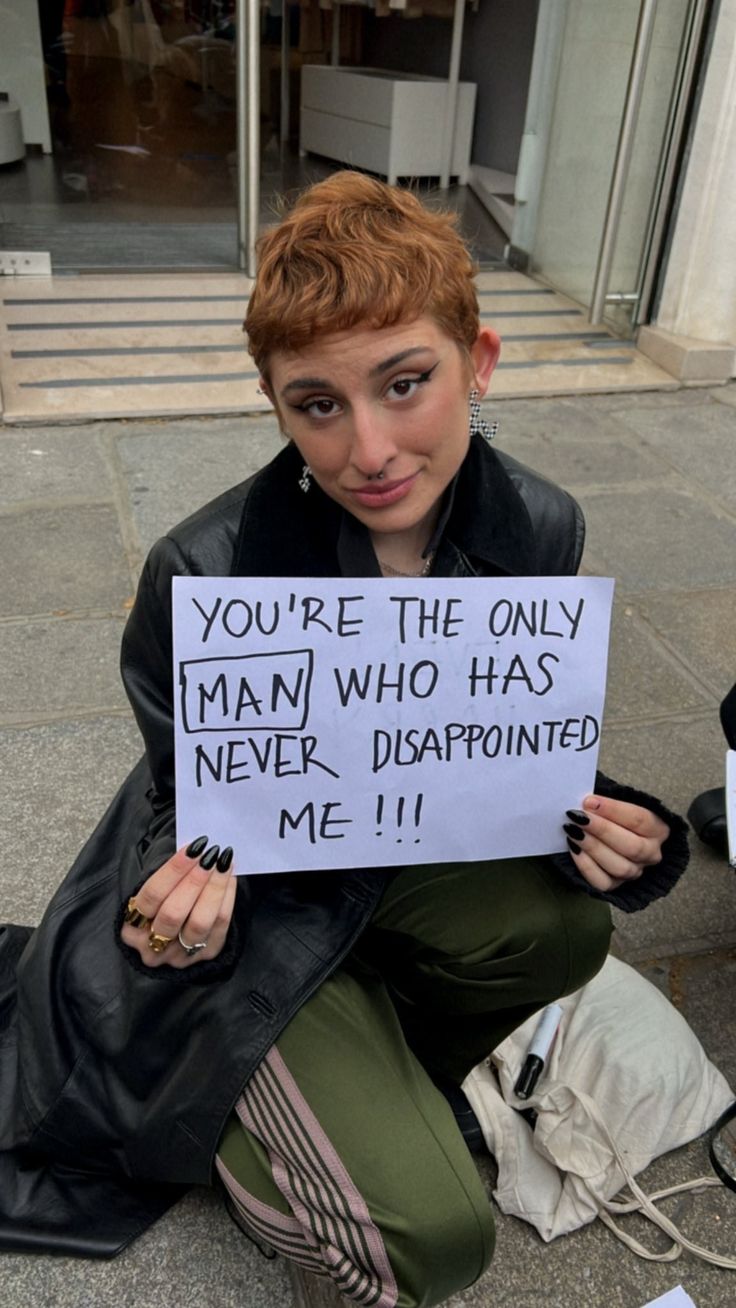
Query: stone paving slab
[[67, 666], [703, 987], [682, 399], [700, 986], [724, 395], [193, 1257], [170, 470], [679, 757], [57, 782], [701, 444], [50, 463], [677, 760], [664, 539], [581, 462], [700, 627], [62, 558], [661, 684], [560, 439]]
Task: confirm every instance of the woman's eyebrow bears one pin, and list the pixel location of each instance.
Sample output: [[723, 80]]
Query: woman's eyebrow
[[397, 358], [322, 383], [305, 383]]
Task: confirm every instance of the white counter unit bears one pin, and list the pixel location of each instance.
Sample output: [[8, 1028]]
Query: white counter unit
[[389, 123], [12, 146]]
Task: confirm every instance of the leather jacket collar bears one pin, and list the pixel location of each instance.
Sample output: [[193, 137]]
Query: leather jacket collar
[[485, 526]]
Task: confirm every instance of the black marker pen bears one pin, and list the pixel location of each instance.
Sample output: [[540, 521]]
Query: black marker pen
[[531, 1068]]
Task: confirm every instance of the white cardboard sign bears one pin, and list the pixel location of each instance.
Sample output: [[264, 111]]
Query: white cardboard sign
[[731, 805], [676, 1298], [333, 723]]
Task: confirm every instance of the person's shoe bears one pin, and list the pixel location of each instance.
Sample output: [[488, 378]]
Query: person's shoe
[[707, 817], [470, 1127]]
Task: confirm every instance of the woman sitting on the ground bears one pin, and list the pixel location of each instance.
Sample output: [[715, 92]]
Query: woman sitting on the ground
[[289, 1033]]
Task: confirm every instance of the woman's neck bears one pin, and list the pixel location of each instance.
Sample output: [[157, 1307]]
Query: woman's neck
[[403, 551]]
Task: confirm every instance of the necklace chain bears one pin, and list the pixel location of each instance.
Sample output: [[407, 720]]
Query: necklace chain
[[424, 571]]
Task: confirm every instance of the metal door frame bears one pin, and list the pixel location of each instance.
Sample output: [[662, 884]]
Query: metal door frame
[[688, 66], [682, 110], [247, 66]]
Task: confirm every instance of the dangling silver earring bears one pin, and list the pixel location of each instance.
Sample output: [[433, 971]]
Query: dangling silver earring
[[478, 426], [305, 480]]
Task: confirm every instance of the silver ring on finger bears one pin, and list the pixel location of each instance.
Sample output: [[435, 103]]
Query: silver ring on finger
[[191, 950]]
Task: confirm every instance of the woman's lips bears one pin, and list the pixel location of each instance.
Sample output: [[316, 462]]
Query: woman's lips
[[378, 494]]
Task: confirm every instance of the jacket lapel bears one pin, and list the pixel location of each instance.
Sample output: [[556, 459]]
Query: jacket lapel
[[285, 533], [489, 521]]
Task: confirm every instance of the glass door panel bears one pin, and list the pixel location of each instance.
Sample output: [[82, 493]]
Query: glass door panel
[[142, 109], [595, 58]]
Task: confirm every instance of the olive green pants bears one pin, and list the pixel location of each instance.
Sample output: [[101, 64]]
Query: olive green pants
[[343, 1154]]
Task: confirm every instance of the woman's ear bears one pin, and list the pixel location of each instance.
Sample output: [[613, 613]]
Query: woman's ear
[[483, 358]]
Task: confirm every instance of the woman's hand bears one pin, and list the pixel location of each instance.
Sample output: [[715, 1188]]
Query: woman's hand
[[192, 894], [612, 842]]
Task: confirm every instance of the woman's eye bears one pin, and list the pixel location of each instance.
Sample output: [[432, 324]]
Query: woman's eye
[[405, 387], [319, 408]]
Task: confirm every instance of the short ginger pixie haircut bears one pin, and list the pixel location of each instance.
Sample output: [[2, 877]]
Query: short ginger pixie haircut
[[354, 251]]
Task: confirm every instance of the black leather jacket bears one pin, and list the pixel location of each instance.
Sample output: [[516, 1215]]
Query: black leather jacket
[[115, 1080]]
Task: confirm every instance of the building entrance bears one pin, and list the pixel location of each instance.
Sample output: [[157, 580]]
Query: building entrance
[[134, 108]]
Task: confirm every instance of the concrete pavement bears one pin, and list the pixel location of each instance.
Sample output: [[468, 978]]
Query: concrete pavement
[[656, 475]]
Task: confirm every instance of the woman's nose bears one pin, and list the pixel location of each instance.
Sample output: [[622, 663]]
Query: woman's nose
[[373, 446]]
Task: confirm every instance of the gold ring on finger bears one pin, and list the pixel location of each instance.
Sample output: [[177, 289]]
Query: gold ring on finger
[[191, 950], [159, 943], [133, 915]]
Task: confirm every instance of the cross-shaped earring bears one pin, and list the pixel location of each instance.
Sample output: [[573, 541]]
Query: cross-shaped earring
[[477, 425]]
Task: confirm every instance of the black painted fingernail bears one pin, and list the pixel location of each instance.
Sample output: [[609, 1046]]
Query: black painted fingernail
[[577, 815], [208, 860], [196, 848], [573, 847], [571, 830], [225, 859]]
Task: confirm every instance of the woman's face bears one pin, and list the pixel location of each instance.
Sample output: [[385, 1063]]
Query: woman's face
[[392, 400]]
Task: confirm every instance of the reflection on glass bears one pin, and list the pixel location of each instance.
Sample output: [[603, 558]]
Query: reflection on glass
[[142, 101], [134, 166], [595, 61]]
